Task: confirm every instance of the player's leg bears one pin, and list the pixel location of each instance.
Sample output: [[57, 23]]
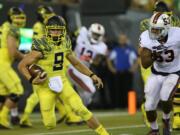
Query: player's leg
[[47, 100], [14, 89], [61, 110], [176, 110], [11, 102], [152, 92], [145, 73], [31, 102], [14, 111], [168, 89], [68, 115], [84, 85], [71, 97]]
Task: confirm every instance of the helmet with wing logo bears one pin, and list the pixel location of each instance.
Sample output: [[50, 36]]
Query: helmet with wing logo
[[55, 28], [96, 33], [159, 26]]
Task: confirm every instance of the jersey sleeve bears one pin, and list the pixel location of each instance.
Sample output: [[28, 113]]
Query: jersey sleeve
[[40, 45], [112, 55], [104, 49], [15, 32], [68, 44]]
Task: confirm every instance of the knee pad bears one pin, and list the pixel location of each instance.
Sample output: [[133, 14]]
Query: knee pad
[[166, 106], [14, 97], [151, 115], [2, 99]]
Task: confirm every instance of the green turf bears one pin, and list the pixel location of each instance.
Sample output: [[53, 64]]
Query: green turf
[[117, 123]]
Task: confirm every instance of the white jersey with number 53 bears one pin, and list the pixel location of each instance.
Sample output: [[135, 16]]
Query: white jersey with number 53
[[169, 60]]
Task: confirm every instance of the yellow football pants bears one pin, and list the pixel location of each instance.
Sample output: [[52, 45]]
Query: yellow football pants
[[68, 95], [9, 81]]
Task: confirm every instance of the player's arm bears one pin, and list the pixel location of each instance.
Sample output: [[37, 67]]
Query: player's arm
[[83, 69], [109, 62], [29, 59], [110, 65], [146, 57], [12, 47]]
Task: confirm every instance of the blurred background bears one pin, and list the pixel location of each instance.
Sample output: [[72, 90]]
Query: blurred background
[[117, 16]]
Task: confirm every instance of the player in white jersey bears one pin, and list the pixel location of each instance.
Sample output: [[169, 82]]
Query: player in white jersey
[[89, 49], [160, 47]]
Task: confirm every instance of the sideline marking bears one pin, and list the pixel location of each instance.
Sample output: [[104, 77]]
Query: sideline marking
[[86, 130]]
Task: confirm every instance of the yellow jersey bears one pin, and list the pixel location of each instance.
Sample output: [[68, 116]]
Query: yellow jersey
[[7, 29], [53, 60]]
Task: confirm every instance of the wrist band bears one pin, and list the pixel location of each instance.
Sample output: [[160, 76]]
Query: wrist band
[[31, 79], [91, 74]]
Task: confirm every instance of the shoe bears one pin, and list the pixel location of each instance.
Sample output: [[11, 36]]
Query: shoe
[[176, 121], [15, 120], [62, 119], [166, 127], [69, 123], [4, 124], [75, 120], [25, 122], [154, 132]]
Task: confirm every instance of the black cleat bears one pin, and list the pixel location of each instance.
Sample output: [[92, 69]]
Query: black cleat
[[5, 127], [70, 123], [15, 120], [154, 132], [62, 119], [166, 127]]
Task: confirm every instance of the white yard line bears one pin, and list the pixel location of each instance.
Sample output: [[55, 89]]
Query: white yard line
[[85, 130], [97, 114]]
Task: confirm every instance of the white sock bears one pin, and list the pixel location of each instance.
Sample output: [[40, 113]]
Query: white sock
[[154, 125], [166, 116], [14, 112]]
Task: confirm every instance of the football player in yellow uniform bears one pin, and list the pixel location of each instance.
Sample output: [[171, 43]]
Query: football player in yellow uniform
[[10, 84], [50, 53], [38, 32], [144, 25], [44, 12]]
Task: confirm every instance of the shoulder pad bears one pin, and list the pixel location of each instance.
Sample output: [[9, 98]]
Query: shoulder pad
[[40, 45]]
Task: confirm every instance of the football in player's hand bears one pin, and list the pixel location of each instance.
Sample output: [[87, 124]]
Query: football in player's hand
[[34, 70]]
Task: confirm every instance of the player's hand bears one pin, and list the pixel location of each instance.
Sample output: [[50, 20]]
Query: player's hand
[[97, 81], [40, 78]]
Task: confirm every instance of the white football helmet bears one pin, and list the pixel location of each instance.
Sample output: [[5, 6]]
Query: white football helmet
[[96, 33], [159, 25]]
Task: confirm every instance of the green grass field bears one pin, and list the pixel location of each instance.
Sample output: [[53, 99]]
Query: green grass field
[[116, 122]]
